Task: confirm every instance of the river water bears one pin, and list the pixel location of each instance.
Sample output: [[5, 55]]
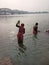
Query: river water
[[35, 50]]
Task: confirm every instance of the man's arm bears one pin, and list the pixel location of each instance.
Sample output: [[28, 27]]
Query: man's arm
[[17, 25], [24, 31]]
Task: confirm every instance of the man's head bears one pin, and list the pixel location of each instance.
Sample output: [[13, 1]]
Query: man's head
[[36, 24]]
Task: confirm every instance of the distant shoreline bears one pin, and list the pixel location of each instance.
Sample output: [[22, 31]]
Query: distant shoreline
[[7, 11], [23, 14]]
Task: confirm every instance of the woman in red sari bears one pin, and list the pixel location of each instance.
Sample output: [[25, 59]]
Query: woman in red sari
[[20, 32]]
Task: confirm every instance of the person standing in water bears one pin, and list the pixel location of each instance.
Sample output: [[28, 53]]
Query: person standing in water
[[35, 29], [47, 31], [20, 32]]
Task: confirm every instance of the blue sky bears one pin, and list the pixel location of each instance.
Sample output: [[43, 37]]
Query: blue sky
[[27, 5]]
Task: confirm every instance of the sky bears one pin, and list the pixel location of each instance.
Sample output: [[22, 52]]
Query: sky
[[26, 5]]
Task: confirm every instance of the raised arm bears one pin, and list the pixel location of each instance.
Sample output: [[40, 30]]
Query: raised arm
[[18, 23]]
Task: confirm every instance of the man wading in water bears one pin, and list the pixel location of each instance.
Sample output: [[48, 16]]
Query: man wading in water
[[35, 29]]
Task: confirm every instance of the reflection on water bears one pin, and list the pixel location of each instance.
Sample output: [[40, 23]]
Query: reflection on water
[[22, 48]]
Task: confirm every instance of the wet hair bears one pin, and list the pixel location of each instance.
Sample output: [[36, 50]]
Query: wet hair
[[22, 24], [36, 24]]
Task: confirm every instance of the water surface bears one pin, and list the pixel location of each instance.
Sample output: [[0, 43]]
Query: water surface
[[36, 51]]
